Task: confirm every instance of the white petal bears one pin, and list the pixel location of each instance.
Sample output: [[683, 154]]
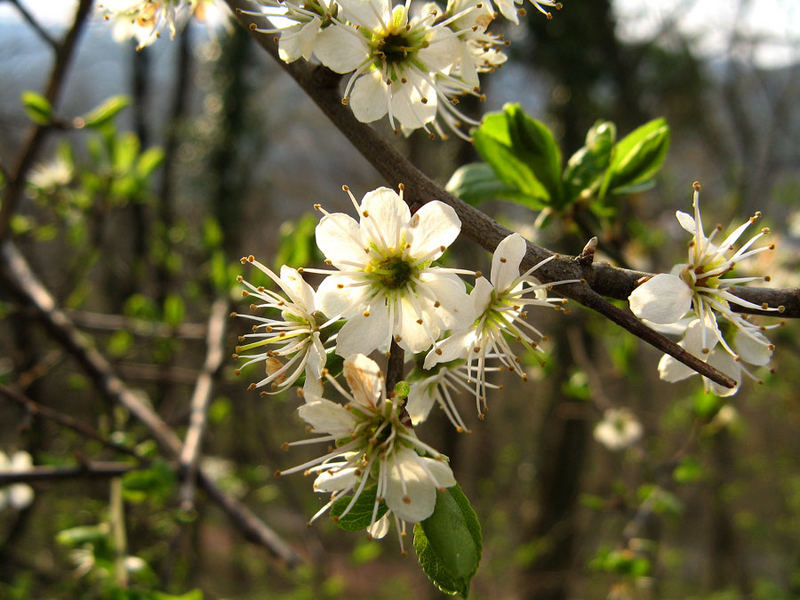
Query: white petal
[[686, 221], [480, 296], [20, 495], [325, 416], [433, 227], [662, 299], [672, 370], [410, 493], [724, 363], [340, 50], [451, 348], [420, 400], [315, 362], [334, 480], [455, 308], [365, 379], [339, 238], [752, 351], [372, 14], [443, 50], [380, 528], [505, 261], [365, 334], [297, 289], [387, 214], [407, 102], [369, 98], [298, 40], [440, 471], [345, 301]]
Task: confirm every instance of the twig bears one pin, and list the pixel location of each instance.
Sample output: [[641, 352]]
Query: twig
[[140, 327], [201, 398], [63, 420], [148, 372], [89, 470], [20, 280], [64, 52], [35, 24], [322, 86]]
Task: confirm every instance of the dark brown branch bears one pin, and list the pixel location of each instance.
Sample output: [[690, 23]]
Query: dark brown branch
[[89, 470], [35, 25], [201, 397], [322, 86], [64, 53], [140, 327], [20, 281]]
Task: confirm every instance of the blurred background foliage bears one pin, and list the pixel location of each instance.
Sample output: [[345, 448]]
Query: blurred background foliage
[[192, 153]]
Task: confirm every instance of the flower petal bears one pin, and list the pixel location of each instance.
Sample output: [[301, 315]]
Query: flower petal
[[365, 380], [325, 416], [433, 227], [754, 348], [686, 221], [298, 290], [369, 98], [454, 310], [410, 493], [385, 214], [366, 333], [505, 261], [672, 370], [340, 50], [380, 528], [421, 396], [338, 236], [335, 480], [662, 299], [341, 295]]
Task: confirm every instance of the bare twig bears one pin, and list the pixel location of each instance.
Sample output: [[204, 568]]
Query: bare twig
[[88, 470], [20, 281], [35, 24], [140, 327], [322, 86], [64, 53], [201, 398]]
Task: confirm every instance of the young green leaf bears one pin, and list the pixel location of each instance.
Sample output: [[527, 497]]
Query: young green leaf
[[477, 182], [449, 542], [100, 115], [585, 169], [523, 154], [37, 107], [360, 514], [637, 157]]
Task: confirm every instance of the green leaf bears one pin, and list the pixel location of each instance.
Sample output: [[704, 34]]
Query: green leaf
[[174, 310], [155, 483], [449, 542], [104, 113], [637, 157], [149, 161], [586, 168], [360, 514], [477, 182], [77, 536], [37, 107], [522, 152], [297, 246]]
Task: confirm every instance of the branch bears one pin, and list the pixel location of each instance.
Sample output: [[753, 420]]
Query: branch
[[35, 24], [201, 398], [89, 470], [64, 52], [140, 327], [322, 86], [20, 280]]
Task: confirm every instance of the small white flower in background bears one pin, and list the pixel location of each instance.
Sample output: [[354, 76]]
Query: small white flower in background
[[297, 25], [17, 495], [385, 286], [48, 176], [699, 286], [508, 8], [498, 312], [374, 448], [145, 19], [291, 345], [618, 430]]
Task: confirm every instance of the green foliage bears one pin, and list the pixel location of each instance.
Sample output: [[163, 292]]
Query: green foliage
[[523, 164], [154, 484], [104, 114], [359, 516], [449, 542], [620, 562], [37, 107], [689, 470], [174, 310], [297, 246]]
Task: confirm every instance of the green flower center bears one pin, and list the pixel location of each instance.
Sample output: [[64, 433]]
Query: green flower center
[[394, 272], [396, 48]]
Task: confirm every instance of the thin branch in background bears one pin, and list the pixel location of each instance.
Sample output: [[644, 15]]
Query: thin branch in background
[[201, 398], [50, 40], [16, 182], [88, 470], [148, 372], [140, 327], [21, 281]]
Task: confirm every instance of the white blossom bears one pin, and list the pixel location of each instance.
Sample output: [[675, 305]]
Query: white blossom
[[17, 495], [291, 345], [618, 430], [384, 284], [145, 19], [373, 448], [698, 288], [498, 312]]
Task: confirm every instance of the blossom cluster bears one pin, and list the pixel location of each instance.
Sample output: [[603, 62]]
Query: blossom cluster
[[384, 287], [696, 300], [411, 61]]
